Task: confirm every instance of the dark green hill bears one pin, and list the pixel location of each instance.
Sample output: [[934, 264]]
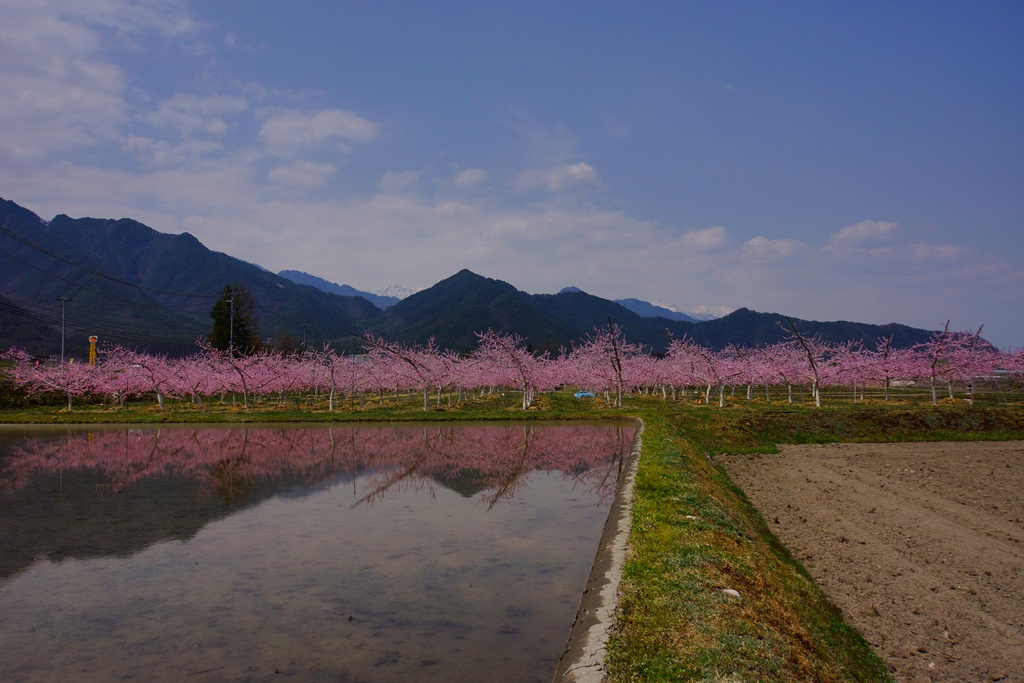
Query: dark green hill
[[585, 313], [134, 286], [41, 266], [29, 331], [453, 310], [751, 328], [181, 263]]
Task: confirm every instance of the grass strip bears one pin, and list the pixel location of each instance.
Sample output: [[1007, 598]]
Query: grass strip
[[695, 536]]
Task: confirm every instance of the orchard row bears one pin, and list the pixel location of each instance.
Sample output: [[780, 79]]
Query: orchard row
[[604, 363]]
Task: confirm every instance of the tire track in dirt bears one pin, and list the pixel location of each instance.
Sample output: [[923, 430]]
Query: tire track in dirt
[[920, 545]]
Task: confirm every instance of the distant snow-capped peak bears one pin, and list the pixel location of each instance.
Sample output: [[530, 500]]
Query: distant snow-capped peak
[[707, 312], [701, 312], [397, 291], [662, 304]]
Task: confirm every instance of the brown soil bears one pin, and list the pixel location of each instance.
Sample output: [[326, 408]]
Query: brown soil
[[921, 545]]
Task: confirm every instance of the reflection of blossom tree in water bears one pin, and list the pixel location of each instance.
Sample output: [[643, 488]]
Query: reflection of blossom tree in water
[[497, 458]]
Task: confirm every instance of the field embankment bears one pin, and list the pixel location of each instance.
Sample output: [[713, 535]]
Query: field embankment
[[708, 594]]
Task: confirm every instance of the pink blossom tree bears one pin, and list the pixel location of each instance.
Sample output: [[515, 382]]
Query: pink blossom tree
[[411, 367], [815, 354], [508, 362], [602, 360], [71, 379], [935, 354]]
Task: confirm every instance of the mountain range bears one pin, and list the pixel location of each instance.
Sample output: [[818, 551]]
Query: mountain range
[[134, 286], [392, 295], [381, 301]]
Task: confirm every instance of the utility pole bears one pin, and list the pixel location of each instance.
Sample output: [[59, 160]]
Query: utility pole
[[63, 307], [304, 326], [231, 323]]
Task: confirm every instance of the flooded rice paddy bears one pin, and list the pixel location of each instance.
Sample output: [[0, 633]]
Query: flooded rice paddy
[[367, 553]]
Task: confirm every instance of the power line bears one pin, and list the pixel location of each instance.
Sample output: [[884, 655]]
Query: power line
[[63, 309], [103, 328], [105, 295], [97, 325], [28, 243]]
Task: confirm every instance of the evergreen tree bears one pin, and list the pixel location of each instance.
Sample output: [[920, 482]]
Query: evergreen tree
[[235, 324]]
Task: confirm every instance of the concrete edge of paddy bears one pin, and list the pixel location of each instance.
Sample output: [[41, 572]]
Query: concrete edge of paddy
[[582, 659]]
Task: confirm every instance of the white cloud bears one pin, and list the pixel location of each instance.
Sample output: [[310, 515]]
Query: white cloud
[[469, 177], [706, 239], [543, 143], [396, 181], [233, 42], [764, 249], [165, 154], [189, 114], [169, 18], [937, 252], [302, 174], [285, 131], [562, 178], [865, 233], [62, 88], [59, 90]]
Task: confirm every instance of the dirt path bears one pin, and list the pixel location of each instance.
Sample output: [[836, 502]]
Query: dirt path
[[921, 545]]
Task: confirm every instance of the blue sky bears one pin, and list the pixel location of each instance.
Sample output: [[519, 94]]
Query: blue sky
[[857, 161]]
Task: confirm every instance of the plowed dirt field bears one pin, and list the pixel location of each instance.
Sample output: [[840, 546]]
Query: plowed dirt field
[[921, 545]]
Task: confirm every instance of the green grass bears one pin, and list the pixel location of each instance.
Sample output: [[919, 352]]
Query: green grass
[[495, 406], [694, 532], [695, 535]]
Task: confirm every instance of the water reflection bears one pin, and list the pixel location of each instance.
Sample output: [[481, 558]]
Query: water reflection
[[369, 552]]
